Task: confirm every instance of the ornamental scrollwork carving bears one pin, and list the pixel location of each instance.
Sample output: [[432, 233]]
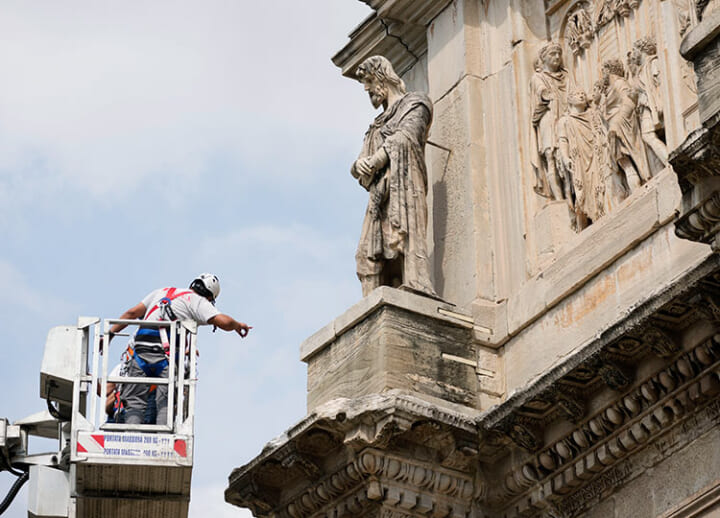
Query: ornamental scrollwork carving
[[579, 30], [387, 479]]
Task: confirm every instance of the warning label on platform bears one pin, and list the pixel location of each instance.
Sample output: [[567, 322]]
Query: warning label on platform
[[138, 446]]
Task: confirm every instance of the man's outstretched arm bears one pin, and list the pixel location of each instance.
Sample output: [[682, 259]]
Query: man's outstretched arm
[[133, 313], [227, 323]]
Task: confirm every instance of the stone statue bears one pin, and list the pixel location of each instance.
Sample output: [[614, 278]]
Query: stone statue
[[611, 188], [547, 92], [391, 166], [577, 158], [626, 146], [643, 63]]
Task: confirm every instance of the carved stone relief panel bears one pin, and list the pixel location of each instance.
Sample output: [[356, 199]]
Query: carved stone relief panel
[[599, 102]]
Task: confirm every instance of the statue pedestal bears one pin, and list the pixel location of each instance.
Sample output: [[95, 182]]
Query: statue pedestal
[[394, 339], [392, 418]]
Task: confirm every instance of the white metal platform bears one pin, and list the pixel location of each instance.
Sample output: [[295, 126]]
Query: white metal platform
[[107, 470]]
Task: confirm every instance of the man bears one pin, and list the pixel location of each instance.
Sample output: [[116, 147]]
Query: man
[[149, 358], [391, 166], [547, 93]]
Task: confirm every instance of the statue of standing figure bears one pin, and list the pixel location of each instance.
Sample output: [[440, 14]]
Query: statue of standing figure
[[578, 160], [626, 146], [643, 63], [547, 96], [391, 167]]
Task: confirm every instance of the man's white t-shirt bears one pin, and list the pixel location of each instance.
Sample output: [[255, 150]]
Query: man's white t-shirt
[[189, 306]]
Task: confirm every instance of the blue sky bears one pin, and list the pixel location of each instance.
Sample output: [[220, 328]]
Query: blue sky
[[142, 143]]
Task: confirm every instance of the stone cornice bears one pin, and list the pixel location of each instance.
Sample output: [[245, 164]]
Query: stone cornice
[[402, 44], [416, 12], [640, 326], [348, 427], [641, 415], [397, 455], [396, 30], [697, 165]]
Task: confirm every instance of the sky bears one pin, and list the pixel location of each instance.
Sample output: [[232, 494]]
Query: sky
[[142, 143]]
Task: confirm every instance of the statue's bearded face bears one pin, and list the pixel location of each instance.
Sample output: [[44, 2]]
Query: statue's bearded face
[[377, 91]]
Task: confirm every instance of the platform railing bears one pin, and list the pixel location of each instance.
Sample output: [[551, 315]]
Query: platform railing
[[182, 336]]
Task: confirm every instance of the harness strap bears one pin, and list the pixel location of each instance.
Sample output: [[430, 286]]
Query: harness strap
[[151, 370], [170, 295]]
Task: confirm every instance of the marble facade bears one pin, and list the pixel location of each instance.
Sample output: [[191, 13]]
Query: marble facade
[[572, 364]]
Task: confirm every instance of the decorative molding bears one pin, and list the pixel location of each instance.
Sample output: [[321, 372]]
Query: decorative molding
[[380, 435], [698, 504], [592, 451], [403, 486], [697, 165], [416, 12], [396, 30]]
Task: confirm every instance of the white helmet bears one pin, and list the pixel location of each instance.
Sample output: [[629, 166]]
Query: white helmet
[[206, 285]]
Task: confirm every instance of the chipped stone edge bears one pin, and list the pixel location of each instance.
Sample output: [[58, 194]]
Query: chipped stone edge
[[391, 402], [382, 296]]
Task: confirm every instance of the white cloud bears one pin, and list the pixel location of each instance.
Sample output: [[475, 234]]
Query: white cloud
[[107, 97], [28, 302]]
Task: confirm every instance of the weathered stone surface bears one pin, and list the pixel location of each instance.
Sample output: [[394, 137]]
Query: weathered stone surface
[[396, 346], [702, 46], [369, 456], [583, 359]]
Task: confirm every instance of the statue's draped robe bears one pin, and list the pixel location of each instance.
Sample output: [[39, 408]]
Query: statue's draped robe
[[620, 113], [610, 191], [548, 98], [577, 129], [396, 218], [648, 84]]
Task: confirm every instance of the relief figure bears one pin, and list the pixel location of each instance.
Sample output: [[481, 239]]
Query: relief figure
[[579, 30], [645, 70], [547, 92], [623, 8], [626, 146], [577, 158], [611, 188], [391, 167], [604, 13]]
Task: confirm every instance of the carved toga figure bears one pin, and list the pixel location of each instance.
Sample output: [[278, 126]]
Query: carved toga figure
[[393, 249], [547, 97], [643, 62], [623, 129], [578, 159]]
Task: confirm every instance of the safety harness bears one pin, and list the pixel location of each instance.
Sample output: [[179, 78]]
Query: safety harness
[[154, 370]]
